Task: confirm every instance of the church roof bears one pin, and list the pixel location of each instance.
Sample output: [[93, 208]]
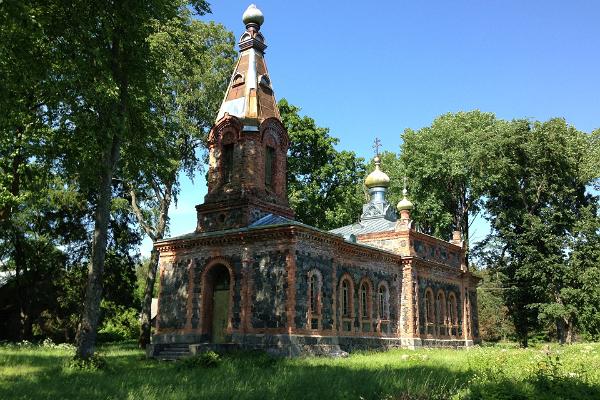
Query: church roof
[[366, 226], [250, 95], [272, 221]]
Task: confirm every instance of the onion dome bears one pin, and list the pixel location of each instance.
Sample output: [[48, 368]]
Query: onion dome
[[253, 15], [377, 178], [405, 203]]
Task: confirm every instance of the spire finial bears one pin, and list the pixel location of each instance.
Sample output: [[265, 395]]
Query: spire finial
[[404, 191], [376, 146], [254, 16]]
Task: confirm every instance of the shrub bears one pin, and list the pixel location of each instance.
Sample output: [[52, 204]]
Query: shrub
[[209, 359], [119, 323], [93, 363]]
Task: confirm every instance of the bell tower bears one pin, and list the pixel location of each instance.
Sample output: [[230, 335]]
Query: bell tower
[[248, 143]]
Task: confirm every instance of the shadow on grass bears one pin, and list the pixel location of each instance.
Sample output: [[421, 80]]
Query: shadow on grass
[[567, 389], [251, 376]]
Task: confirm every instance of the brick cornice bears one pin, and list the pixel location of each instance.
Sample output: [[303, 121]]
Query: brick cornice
[[276, 233]]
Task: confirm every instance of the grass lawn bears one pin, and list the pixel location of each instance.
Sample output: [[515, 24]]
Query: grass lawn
[[569, 372]]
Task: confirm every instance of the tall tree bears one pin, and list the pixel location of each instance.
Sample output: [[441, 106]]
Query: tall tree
[[535, 195], [110, 76], [324, 184], [445, 172], [26, 91], [196, 60]]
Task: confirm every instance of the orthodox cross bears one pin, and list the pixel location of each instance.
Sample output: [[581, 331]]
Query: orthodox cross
[[376, 146]]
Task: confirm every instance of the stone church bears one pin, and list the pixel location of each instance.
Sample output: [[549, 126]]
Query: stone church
[[252, 277]]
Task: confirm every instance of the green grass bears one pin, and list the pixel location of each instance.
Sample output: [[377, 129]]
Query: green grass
[[569, 372]]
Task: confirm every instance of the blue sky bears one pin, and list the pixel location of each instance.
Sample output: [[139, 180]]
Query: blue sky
[[367, 69]]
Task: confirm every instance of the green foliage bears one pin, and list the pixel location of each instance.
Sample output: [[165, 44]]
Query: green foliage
[[93, 363], [208, 359], [118, 322], [499, 372], [444, 164], [535, 196], [324, 185], [494, 320]]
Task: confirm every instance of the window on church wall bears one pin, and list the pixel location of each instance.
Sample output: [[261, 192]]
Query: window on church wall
[[429, 313], [364, 306], [314, 299], [440, 313], [345, 299], [313, 294], [439, 309], [346, 305], [383, 309], [365, 313], [227, 162], [269, 166], [452, 310]]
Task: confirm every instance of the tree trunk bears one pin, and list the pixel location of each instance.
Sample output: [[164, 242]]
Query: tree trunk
[[19, 239], [560, 330], [145, 328], [86, 333], [568, 331], [156, 234], [20, 274]]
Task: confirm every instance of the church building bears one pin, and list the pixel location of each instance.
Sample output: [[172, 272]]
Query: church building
[[252, 277]]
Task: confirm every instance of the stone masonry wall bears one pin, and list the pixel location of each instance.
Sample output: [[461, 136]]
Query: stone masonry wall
[[447, 288], [268, 306]]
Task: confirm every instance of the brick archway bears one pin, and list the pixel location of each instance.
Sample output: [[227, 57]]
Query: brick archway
[[217, 301]]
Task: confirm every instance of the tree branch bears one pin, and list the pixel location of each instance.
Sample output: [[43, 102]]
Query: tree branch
[[140, 217]]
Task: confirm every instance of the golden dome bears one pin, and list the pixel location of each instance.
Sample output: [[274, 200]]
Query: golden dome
[[405, 203], [377, 178]]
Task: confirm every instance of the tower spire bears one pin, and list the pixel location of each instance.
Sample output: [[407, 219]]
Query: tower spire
[[250, 96]]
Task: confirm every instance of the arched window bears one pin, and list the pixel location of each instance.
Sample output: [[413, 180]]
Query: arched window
[[346, 306], [269, 166], [365, 306], [364, 301], [313, 293], [227, 162], [440, 311], [383, 302], [429, 313], [314, 299], [345, 299], [452, 310]]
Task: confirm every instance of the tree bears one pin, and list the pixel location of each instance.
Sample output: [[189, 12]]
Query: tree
[[25, 87], [324, 185], [196, 60], [494, 320], [535, 194], [444, 164], [109, 77]]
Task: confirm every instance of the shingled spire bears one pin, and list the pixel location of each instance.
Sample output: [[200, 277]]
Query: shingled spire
[[247, 145], [250, 95]]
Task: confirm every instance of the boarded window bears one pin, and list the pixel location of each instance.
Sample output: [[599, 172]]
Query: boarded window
[[452, 309], [384, 305], [269, 166], [429, 313], [314, 294], [227, 162]]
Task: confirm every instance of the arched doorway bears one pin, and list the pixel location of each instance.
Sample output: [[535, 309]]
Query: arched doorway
[[217, 302]]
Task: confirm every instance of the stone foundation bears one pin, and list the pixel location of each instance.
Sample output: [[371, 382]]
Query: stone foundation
[[286, 345]]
